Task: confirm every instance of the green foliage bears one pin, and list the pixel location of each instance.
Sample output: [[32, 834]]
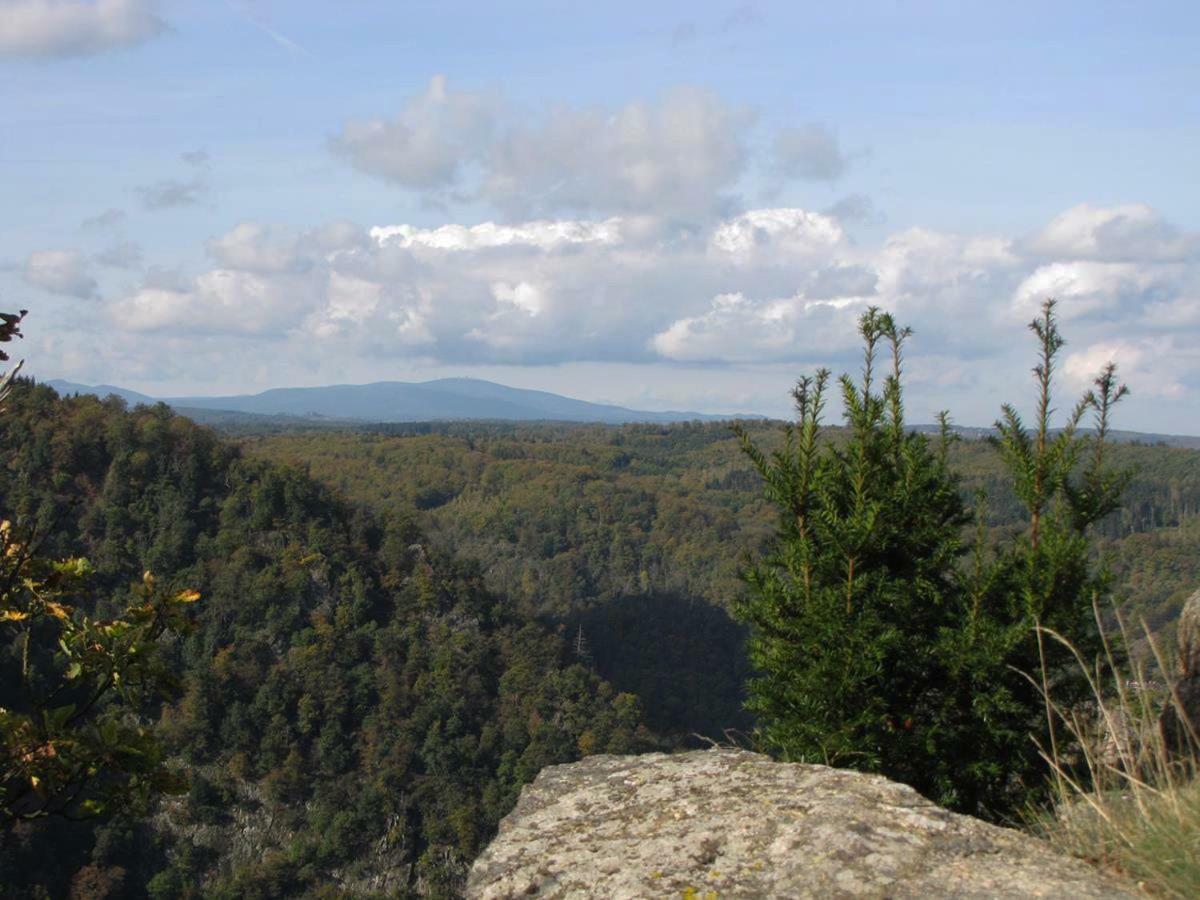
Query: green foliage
[[344, 678], [877, 647], [848, 608], [71, 740], [564, 519], [558, 517], [1044, 577]]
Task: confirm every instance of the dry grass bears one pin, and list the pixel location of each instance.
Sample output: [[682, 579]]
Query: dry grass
[[1122, 799]]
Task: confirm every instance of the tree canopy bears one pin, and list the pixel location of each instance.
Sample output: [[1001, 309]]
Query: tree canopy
[[879, 642]]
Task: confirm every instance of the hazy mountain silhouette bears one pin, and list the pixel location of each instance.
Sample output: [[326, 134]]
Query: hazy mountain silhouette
[[400, 401]]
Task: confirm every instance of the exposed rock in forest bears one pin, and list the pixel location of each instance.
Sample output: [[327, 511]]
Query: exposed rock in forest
[[726, 823], [1181, 719]]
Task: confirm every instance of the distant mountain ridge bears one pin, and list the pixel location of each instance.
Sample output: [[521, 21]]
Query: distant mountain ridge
[[458, 399], [401, 401]]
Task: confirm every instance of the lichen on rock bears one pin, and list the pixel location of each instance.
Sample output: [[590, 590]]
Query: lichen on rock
[[727, 823]]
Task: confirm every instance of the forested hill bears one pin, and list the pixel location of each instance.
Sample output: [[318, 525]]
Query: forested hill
[[567, 518], [400, 626], [356, 707]]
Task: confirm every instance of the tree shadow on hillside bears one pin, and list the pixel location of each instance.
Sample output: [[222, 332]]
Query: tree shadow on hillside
[[684, 658]]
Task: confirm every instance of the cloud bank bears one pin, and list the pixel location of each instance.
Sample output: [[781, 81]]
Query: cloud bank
[[772, 286]]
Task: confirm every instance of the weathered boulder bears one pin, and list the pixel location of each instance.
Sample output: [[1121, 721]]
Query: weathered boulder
[[1180, 720], [725, 823]]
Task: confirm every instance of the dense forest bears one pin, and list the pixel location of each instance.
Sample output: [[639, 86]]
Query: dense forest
[[562, 518], [400, 625], [356, 707]]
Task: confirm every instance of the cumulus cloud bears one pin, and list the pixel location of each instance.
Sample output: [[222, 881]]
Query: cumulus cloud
[[542, 234], [775, 286], [220, 301], [776, 232], [809, 152], [842, 280], [350, 300], [62, 272], [678, 154], [1152, 367], [1132, 232], [437, 133], [266, 249], [1083, 287], [61, 28], [739, 329], [252, 247]]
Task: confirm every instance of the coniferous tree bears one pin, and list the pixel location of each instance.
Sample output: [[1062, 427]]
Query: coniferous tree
[[1043, 579], [847, 609], [876, 646]]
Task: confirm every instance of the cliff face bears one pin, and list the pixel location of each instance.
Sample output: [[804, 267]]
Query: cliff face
[[724, 823]]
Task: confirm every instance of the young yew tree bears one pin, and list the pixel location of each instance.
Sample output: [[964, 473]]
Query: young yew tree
[[848, 608], [879, 643], [1043, 578]]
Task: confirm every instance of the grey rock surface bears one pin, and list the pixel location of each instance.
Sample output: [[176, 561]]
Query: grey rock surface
[[726, 823]]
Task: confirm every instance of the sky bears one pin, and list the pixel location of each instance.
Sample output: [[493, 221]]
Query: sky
[[664, 206]]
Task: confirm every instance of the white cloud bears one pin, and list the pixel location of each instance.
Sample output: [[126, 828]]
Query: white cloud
[[273, 249], [63, 272], [252, 247], [437, 133], [676, 155], [1151, 367], [776, 232], [1082, 287], [543, 234], [1114, 234], [220, 301], [738, 329], [59, 28], [769, 287], [523, 296], [351, 301], [939, 282]]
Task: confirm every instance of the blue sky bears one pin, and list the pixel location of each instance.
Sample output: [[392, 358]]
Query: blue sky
[[661, 205]]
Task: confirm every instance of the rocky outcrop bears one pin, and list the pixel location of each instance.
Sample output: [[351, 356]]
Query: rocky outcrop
[[1181, 717], [726, 823]]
